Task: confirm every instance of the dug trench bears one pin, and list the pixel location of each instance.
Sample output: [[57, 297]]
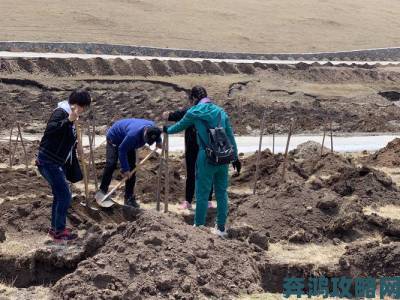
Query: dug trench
[[126, 254]]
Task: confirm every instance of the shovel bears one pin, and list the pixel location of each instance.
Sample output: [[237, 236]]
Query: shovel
[[105, 200]]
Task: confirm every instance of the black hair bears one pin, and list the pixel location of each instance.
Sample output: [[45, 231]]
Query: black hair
[[152, 134], [80, 97], [197, 93]]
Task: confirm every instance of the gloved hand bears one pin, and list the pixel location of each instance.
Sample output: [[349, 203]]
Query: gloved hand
[[165, 115], [237, 165], [165, 129]]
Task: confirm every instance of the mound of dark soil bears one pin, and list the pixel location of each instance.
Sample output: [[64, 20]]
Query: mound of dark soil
[[25, 64], [159, 67], [246, 68], [81, 66], [389, 156], [63, 67], [289, 212], [370, 185], [140, 68], [122, 67], [373, 259], [156, 257], [309, 162], [270, 170], [228, 68], [176, 67], [102, 66], [47, 66], [322, 197], [211, 68], [193, 67]]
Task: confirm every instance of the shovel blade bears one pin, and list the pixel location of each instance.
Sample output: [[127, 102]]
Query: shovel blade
[[102, 201]]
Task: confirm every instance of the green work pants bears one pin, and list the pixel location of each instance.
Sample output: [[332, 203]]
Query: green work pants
[[208, 175]]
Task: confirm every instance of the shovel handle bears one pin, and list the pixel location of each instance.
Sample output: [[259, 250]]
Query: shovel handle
[[130, 174]]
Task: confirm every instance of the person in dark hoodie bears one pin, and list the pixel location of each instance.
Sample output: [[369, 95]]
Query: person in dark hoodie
[[123, 138], [191, 151], [57, 154]]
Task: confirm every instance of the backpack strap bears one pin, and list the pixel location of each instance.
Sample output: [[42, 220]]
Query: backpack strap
[[208, 127], [219, 119]]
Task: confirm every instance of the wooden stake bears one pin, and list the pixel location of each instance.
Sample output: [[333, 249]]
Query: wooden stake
[[94, 129], [159, 174], [83, 162], [15, 149], [91, 158], [10, 146], [259, 153], [273, 139], [166, 192], [287, 150], [331, 137], [323, 141], [23, 145]]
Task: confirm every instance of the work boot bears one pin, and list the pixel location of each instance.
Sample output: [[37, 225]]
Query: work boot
[[131, 201]]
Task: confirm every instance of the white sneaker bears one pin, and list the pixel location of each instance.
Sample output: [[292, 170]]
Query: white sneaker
[[221, 234]]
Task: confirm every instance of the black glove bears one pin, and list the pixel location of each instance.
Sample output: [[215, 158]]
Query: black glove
[[237, 165], [165, 129]]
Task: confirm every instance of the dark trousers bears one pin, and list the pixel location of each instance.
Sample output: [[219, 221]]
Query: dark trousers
[[111, 165], [55, 176], [191, 157]]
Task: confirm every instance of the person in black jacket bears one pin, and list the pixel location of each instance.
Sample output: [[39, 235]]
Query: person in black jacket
[[191, 151], [57, 156]]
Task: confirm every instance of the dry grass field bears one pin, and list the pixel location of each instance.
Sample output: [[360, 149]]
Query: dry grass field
[[223, 25]]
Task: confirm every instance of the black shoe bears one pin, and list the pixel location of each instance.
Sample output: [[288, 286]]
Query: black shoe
[[132, 202]]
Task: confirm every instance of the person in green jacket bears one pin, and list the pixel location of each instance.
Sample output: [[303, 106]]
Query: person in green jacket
[[204, 111]]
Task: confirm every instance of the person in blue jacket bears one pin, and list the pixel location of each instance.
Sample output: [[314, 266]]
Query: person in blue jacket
[[123, 138], [207, 175]]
